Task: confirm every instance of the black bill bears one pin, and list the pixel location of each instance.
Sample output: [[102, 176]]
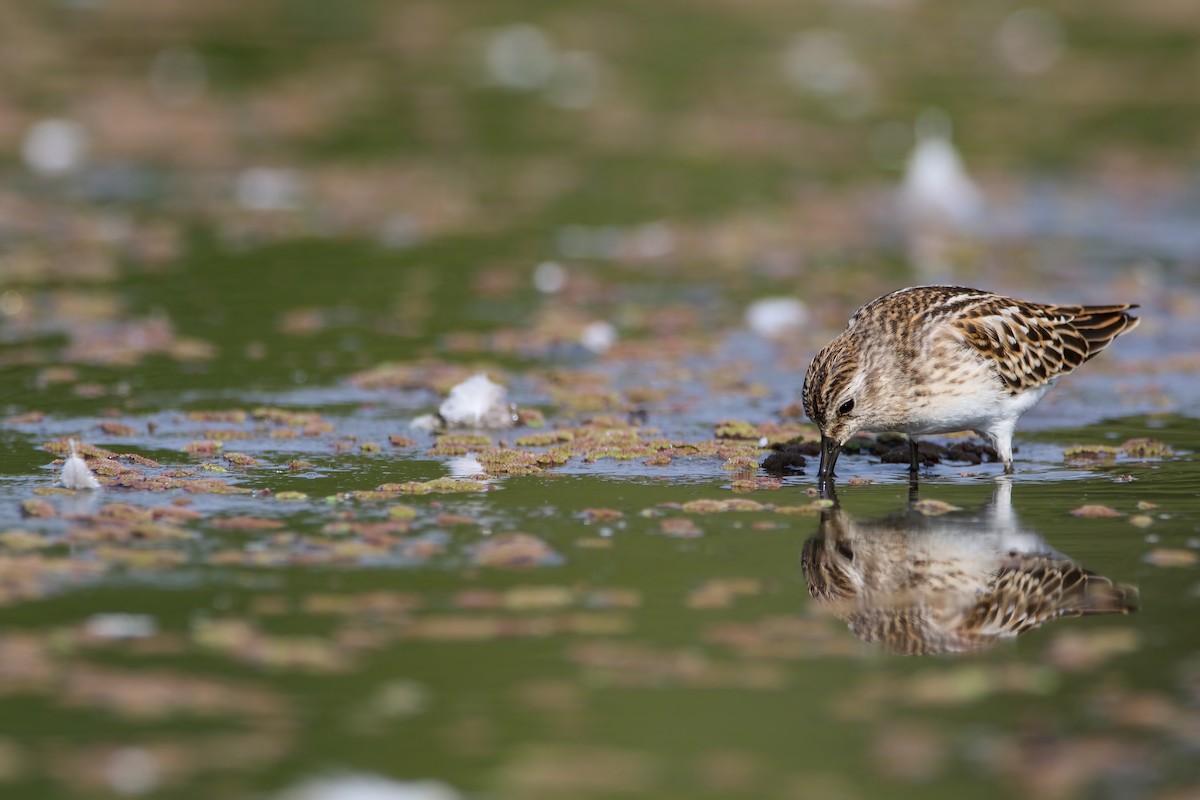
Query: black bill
[[830, 450]]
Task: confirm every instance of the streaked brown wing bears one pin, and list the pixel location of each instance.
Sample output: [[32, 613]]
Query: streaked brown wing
[[1032, 344]]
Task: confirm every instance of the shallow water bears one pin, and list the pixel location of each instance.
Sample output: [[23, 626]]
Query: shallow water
[[242, 297], [653, 648]]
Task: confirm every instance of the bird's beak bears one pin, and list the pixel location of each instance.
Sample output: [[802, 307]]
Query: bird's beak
[[830, 450]]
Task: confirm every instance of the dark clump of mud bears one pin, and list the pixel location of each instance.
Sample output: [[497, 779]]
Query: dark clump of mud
[[789, 459], [930, 453], [972, 452]]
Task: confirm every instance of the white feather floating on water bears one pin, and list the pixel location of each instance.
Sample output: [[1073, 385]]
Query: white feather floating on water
[[427, 423], [76, 474], [467, 466], [477, 402]]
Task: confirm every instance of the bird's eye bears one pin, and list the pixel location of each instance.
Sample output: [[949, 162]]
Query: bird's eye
[[846, 407]]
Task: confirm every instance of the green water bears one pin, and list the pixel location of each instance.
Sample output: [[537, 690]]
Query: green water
[[188, 631], [683, 666]]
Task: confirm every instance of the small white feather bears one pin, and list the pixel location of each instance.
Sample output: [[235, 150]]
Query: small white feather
[[76, 474], [426, 422], [477, 402], [467, 466]]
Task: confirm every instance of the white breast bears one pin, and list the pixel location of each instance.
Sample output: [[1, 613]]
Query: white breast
[[966, 408]]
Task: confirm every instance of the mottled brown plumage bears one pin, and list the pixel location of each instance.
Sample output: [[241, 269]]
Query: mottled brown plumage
[[920, 585], [938, 359]]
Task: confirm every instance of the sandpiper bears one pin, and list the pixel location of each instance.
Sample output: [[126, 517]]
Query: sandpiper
[[939, 359], [953, 583]]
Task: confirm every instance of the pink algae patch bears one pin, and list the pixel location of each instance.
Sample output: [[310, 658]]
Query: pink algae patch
[[1171, 557], [36, 507], [204, 447], [722, 592], [716, 506], [436, 485], [247, 524], [1095, 512], [602, 514], [236, 416], [680, 526], [111, 428], [515, 551], [934, 508]]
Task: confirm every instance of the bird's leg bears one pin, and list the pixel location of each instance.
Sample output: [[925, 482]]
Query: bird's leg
[[914, 469], [1001, 436]]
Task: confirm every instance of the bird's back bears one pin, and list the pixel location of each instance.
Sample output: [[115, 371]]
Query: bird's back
[[1029, 344]]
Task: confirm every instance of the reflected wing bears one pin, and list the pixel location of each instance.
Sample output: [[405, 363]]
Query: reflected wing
[[1033, 590]]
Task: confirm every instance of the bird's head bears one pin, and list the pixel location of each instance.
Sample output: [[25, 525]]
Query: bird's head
[[837, 397]]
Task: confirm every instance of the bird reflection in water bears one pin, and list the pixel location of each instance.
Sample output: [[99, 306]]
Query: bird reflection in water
[[953, 583]]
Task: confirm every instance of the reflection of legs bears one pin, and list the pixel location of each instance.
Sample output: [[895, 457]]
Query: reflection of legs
[[1002, 517], [914, 466]]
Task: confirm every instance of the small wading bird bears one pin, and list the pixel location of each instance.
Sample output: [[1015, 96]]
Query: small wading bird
[[954, 583], [939, 359]]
